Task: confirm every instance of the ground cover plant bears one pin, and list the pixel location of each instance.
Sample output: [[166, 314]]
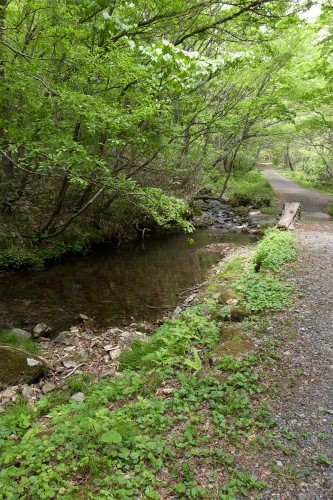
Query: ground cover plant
[[172, 424]]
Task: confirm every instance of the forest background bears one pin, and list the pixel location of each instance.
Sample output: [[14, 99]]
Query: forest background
[[115, 115]]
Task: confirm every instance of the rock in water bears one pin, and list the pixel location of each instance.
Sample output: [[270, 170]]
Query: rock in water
[[18, 366], [40, 329]]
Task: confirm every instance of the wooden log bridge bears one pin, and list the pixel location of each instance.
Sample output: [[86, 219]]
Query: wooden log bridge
[[290, 212]]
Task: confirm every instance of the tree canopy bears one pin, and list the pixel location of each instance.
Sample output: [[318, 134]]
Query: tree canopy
[[106, 105]]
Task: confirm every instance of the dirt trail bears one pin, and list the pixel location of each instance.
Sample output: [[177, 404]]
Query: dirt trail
[[314, 204], [302, 465]]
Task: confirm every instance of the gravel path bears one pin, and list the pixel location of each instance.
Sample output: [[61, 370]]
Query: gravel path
[[300, 464], [314, 204]]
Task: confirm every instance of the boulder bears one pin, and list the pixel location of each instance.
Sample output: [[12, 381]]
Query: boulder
[[20, 333], [19, 367]]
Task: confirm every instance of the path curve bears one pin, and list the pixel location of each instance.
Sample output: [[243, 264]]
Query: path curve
[[314, 204]]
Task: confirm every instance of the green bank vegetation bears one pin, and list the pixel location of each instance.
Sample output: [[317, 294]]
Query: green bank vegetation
[[175, 419]]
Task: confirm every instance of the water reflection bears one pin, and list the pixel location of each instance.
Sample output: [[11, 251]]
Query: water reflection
[[110, 285]]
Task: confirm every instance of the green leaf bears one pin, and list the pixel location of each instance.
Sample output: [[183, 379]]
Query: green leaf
[[181, 488], [111, 437]]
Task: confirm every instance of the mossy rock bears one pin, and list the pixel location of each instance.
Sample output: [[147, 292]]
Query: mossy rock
[[18, 366], [238, 313], [227, 295]]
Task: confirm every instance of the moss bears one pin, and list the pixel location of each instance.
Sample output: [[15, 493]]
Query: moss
[[15, 367]]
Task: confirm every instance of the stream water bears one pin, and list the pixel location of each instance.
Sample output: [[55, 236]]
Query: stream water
[[114, 286]]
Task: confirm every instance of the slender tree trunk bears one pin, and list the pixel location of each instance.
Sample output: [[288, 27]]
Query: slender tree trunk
[[7, 165]]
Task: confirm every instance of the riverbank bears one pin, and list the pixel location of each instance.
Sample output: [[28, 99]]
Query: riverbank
[[172, 420], [126, 222]]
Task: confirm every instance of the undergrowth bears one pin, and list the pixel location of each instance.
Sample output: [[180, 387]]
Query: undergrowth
[[250, 188], [12, 339], [167, 426]]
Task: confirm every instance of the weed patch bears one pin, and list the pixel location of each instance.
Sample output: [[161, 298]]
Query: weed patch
[[29, 345]]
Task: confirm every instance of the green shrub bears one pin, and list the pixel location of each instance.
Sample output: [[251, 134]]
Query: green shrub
[[172, 342], [277, 248], [250, 188]]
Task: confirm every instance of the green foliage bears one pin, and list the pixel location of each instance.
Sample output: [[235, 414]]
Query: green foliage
[[262, 293], [323, 460], [277, 248], [29, 345], [172, 342], [250, 188]]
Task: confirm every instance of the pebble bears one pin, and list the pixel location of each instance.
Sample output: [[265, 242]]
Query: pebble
[[69, 363], [109, 347]]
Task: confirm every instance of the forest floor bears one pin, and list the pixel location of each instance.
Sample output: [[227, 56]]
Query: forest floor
[[302, 455]]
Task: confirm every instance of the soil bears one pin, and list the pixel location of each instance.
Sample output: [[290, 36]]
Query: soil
[[299, 466]]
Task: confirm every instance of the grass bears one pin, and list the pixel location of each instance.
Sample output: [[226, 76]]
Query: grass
[[11, 339], [167, 426]]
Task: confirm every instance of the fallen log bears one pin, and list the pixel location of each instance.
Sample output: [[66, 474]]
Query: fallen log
[[290, 212]]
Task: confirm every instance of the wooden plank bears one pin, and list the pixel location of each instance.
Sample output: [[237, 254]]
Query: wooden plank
[[290, 212]]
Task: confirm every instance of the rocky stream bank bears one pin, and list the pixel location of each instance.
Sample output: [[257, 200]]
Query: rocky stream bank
[[85, 347]]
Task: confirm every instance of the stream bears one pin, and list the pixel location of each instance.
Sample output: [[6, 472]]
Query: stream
[[113, 286]]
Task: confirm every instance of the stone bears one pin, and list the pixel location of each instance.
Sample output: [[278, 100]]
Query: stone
[[30, 392], [177, 312], [113, 331], [48, 387], [126, 335], [115, 354], [79, 397], [8, 394], [108, 347], [69, 363], [83, 317], [18, 366], [60, 338], [279, 463], [21, 333], [40, 329]]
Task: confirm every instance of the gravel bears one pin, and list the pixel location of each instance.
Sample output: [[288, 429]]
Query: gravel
[[314, 204], [303, 403]]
